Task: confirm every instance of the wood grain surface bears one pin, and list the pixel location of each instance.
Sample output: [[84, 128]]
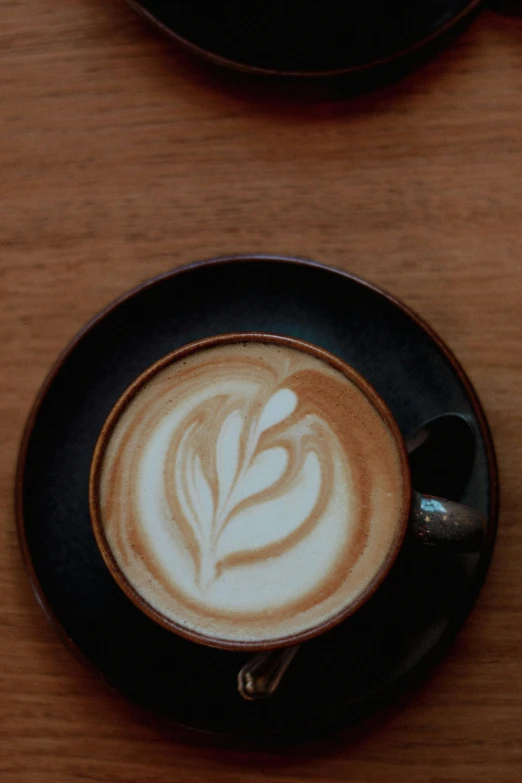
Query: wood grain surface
[[120, 158]]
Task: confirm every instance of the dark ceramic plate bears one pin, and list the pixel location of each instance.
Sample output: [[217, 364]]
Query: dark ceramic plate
[[348, 671], [306, 37]]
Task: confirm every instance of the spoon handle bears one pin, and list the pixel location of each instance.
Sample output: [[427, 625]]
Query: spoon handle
[[260, 676]]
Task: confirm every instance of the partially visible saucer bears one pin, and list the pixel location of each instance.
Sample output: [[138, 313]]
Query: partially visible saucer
[[411, 619], [306, 38]]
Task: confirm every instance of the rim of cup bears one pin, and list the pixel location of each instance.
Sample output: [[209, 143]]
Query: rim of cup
[[318, 628]]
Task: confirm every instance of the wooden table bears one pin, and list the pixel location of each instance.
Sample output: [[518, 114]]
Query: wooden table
[[121, 158]]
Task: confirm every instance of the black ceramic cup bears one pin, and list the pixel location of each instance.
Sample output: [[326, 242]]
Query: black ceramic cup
[[306, 38], [121, 480]]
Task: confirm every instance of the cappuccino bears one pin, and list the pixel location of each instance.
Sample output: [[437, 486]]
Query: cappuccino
[[249, 491]]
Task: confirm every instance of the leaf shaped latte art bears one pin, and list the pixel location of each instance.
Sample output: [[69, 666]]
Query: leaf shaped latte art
[[241, 500]]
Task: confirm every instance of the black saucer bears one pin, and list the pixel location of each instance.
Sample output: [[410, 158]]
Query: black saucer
[[304, 37], [412, 617]]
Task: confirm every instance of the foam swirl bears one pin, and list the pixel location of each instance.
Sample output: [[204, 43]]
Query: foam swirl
[[240, 487]]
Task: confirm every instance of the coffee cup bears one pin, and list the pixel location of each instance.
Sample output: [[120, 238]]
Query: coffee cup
[[251, 491]]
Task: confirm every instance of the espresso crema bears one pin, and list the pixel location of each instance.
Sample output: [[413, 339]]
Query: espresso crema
[[249, 491]]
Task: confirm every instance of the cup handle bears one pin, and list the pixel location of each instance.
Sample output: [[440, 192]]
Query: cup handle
[[445, 524]]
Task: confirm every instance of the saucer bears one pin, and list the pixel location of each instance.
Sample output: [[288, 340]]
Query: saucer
[[304, 38], [349, 671]]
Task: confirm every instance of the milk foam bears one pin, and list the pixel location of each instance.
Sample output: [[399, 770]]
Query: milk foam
[[250, 491]]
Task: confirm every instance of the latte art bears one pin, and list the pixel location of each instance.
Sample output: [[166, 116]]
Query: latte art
[[249, 491]]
